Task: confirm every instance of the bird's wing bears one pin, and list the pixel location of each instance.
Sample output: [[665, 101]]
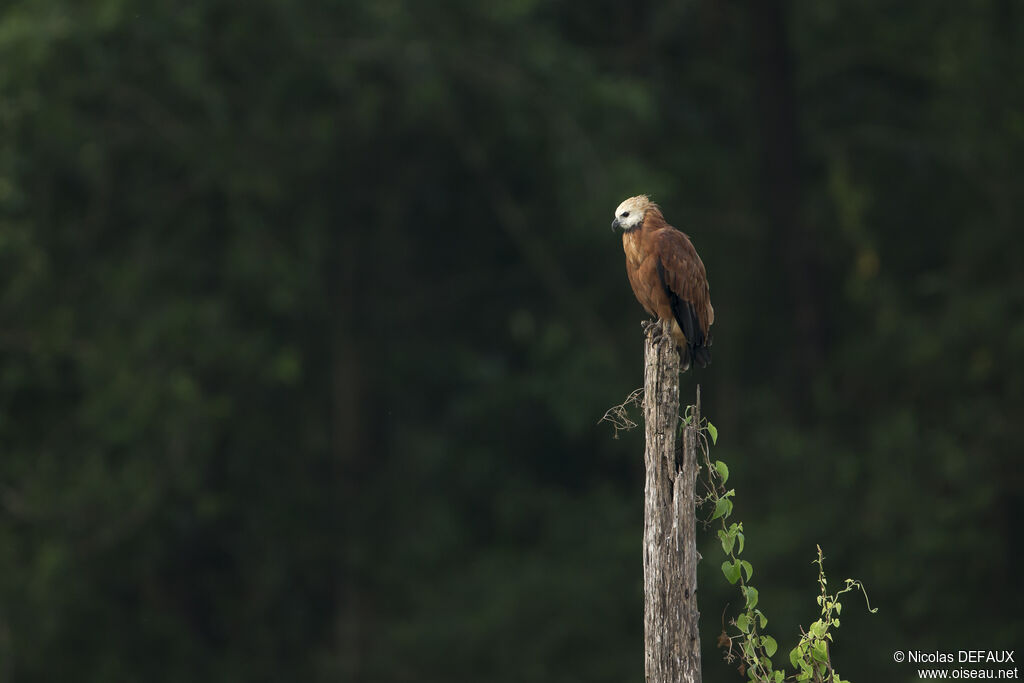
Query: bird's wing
[[686, 284]]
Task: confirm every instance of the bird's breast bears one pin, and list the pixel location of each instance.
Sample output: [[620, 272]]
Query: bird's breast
[[633, 247]]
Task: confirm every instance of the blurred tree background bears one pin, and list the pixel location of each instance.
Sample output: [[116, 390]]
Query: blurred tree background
[[308, 311]]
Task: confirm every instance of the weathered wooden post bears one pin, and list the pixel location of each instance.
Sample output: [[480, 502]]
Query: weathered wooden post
[[671, 638]]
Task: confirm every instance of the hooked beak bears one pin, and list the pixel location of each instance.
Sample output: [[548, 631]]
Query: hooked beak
[[616, 224]]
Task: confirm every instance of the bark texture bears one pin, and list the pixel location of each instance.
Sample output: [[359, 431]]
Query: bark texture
[[671, 639]]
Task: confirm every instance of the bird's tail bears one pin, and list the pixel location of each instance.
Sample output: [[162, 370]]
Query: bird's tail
[[701, 356], [694, 355]]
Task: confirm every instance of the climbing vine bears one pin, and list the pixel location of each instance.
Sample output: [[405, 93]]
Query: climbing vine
[[744, 640]]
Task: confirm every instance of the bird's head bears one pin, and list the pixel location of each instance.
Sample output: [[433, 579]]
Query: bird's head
[[631, 212]]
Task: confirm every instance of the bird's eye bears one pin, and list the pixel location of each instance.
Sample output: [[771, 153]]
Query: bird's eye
[[624, 214]]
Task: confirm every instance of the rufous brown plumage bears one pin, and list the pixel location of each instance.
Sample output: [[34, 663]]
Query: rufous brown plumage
[[667, 276]]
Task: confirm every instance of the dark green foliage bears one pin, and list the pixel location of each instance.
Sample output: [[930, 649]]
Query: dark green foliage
[[308, 312]]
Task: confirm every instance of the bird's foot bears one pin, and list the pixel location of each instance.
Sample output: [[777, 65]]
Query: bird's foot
[[652, 328]]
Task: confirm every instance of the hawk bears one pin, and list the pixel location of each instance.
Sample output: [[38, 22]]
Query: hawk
[[667, 276]]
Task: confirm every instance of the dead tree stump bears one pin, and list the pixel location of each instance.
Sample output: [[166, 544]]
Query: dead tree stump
[[671, 639]]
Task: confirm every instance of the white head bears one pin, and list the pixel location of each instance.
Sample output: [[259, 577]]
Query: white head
[[631, 212]]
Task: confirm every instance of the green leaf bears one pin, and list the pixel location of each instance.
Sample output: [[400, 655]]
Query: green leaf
[[723, 470], [748, 568], [713, 431], [818, 629], [731, 571], [723, 508], [820, 651], [743, 623], [761, 617], [728, 541], [839, 608], [794, 656], [769, 645], [751, 594], [835, 622], [779, 676], [739, 535]]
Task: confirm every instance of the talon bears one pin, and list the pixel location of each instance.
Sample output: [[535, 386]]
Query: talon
[[653, 329]]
